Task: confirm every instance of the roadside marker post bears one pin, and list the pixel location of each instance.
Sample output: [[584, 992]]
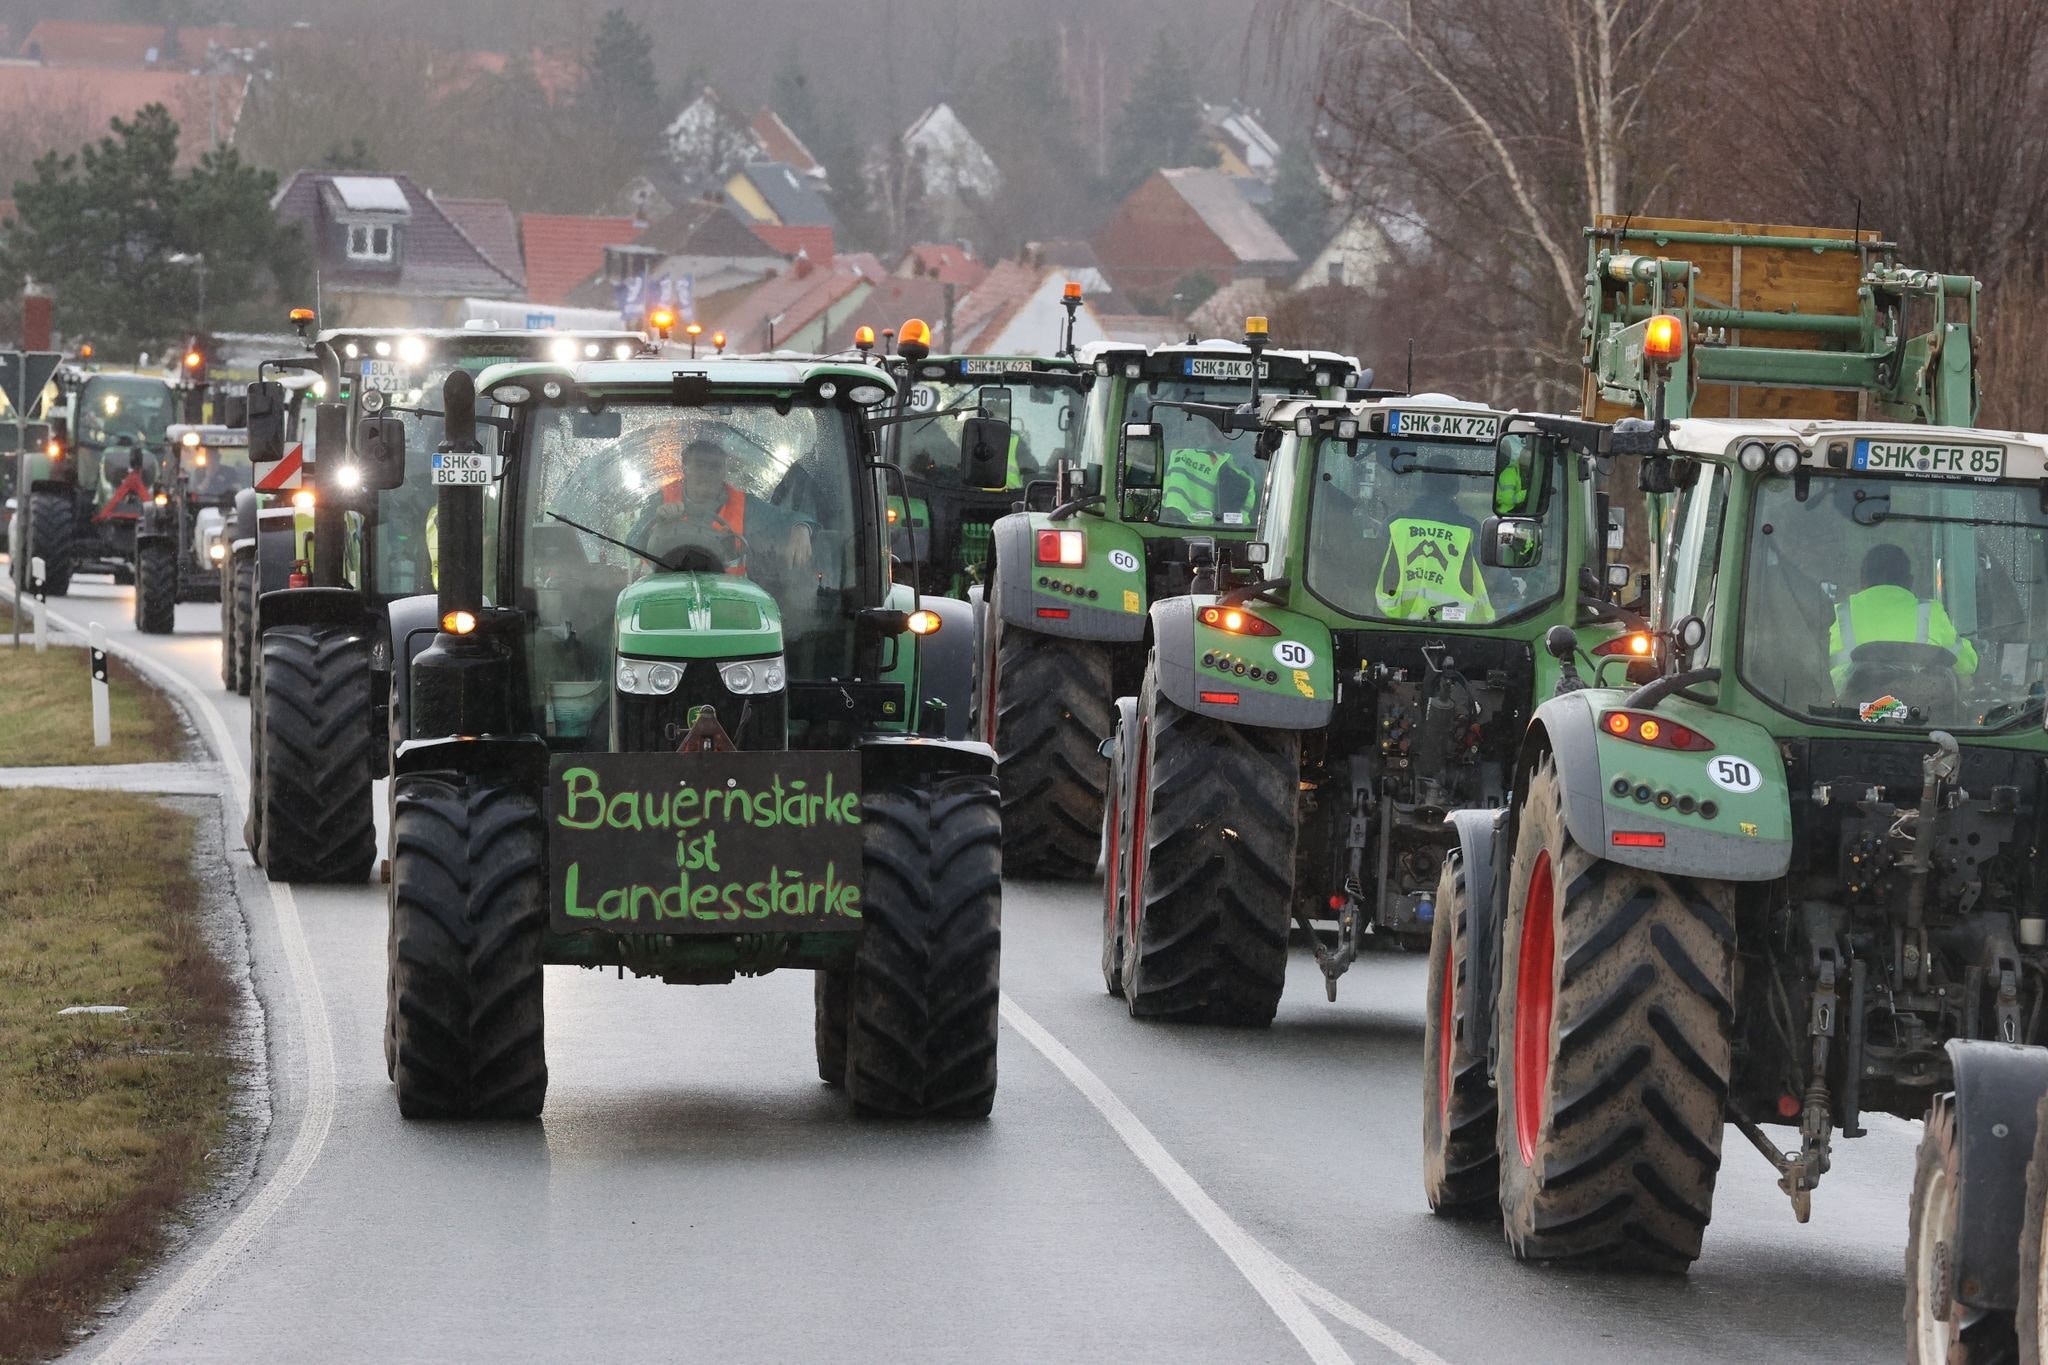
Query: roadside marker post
[[35, 571], [102, 718]]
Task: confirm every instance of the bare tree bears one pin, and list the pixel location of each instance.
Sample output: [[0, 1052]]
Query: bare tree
[[1488, 131]]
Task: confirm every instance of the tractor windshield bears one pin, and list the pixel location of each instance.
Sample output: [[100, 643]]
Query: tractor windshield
[[113, 406], [734, 487], [1044, 417], [216, 471], [1209, 478], [1394, 530], [1898, 601]]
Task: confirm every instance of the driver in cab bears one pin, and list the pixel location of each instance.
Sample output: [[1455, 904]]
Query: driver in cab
[[1888, 611], [703, 510], [1431, 569]]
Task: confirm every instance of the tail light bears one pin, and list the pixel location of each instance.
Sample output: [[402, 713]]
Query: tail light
[[1637, 644], [1068, 548], [1237, 621], [1654, 731]]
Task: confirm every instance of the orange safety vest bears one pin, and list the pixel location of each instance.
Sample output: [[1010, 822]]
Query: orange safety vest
[[733, 513]]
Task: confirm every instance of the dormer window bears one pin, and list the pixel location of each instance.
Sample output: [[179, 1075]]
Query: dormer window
[[368, 243]]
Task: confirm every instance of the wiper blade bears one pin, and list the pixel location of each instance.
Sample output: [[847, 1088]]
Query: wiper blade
[[655, 560]]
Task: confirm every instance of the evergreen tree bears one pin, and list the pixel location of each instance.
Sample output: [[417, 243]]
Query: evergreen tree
[[1161, 123], [795, 102], [1300, 207], [621, 97]]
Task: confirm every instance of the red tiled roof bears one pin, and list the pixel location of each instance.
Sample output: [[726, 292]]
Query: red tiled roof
[[781, 144], [988, 309], [812, 242], [491, 228], [64, 42], [894, 300], [946, 262], [794, 298], [563, 250], [91, 95]]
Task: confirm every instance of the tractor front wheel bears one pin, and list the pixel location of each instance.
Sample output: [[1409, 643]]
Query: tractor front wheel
[[1460, 1164], [468, 911], [830, 994], [923, 989], [51, 529], [240, 640], [1214, 815], [1116, 864], [2033, 1315], [1047, 706], [1615, 1052], [311, 809], [156, 588]]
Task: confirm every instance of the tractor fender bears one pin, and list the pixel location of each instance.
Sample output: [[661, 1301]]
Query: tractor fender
[[1998, 1088], [945, 663], [1481, 849], [1747, 839], [412, 623], [1282, 697], [902, 760], [275, 550], [520, 759], [311, 607], [1102, 598], [242, 520]]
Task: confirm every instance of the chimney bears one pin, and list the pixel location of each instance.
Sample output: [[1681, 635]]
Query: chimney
[[36, 308]]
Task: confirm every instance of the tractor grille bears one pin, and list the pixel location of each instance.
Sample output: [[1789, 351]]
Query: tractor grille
[[657, 724]]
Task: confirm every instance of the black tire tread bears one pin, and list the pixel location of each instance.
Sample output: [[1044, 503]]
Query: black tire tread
[[156, 589], [925, 982], [2033, 1310], [830, 998], [468, 911], [243, 639], [313, 766], [1460, 1161], [1222, 810], [1630, 1145], [51, 529], [1054, 707]]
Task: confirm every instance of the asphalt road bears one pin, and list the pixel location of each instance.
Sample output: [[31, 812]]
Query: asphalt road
[[1142, 1193]]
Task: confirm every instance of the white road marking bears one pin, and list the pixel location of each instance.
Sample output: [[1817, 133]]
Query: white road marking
[[250, 1219], [1286, 1290]]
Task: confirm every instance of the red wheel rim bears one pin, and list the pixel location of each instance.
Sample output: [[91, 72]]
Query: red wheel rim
[[1138, 804], [1535, 998], [1111, 880], [1445, 1018]]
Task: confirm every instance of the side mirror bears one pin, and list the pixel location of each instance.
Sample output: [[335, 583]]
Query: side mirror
[[234, 410], [985, 452], [1521, 474], [994, 401], [265, 414], [1141, 454], [380, 452], [1511, 543], [1066, 419]]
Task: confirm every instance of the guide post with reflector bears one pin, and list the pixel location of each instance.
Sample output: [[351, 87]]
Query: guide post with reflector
[[102, 718]]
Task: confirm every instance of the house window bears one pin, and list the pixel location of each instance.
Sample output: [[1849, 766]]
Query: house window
[[366, 243]]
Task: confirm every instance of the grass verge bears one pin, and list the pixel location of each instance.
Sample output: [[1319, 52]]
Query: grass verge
[[106, 1120], [46, 709]]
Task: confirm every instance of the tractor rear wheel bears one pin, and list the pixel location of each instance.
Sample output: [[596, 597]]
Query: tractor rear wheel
[[242, 631], [2033, 1314], [311, 796], [1116, 866], [1214, 815], [1460, 1164], [1940, 1331], [156, 588], [468, 911], [51, 530], [1616, 1014], [1052, 705], [925, 981], [830, 994]]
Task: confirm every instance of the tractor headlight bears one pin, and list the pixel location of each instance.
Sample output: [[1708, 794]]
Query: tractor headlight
[[662, 678], [629, 677], [645, 679], [744, 677], [1784, 457], [216, 552], [1751, 455]]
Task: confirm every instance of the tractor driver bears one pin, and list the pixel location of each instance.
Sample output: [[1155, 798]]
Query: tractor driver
[[1431, 569], [703, 509], [1889, 611]]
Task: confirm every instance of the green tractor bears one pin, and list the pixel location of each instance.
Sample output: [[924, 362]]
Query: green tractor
[[1301, 733], [82, 491], [178, 540], [1788, 880], [337, 527], [1074, 575], [674, 719]]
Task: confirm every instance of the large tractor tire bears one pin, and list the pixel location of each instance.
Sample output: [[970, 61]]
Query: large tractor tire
[[1215, 810], [240, 641], [1460, 1163], [925, 982], [831, 994], [156, 588], [51, 530], [312, 812], [1116, 867], [1052, 706], [1616, 1017], [2033, 1314], [468, 911], [1940, 1331]]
